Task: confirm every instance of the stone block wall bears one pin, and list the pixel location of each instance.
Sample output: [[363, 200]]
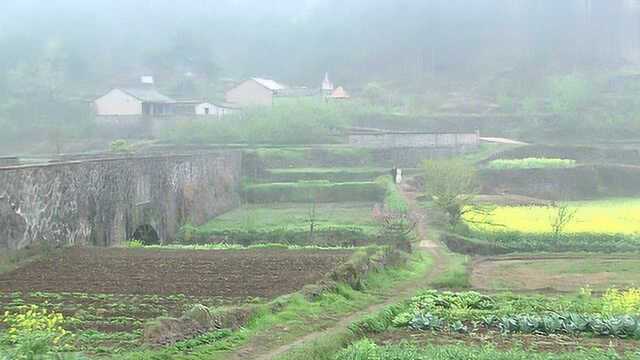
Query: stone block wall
[[103, 202]]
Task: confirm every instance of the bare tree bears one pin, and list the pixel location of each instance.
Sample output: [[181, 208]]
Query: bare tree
[[397, 230], [562, 216], [313, 219]]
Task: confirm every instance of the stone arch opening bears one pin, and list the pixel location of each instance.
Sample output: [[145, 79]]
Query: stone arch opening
[[12, 225], [147, 234]]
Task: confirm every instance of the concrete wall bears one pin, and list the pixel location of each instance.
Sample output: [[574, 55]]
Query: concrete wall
[[117, 102], [413, 140], [250, 93], [103, 202]]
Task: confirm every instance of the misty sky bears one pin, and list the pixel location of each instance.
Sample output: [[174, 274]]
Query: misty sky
[[298, 40]]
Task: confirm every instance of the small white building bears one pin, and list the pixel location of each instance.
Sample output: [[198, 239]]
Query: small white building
[[205, 108], [211, 109], [134, 101]]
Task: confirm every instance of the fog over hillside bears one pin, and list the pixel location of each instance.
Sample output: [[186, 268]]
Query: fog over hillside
[[296, 40], [58, 56]]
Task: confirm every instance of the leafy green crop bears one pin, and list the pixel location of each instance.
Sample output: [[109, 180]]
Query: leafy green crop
[[530, 163], [471, 311]]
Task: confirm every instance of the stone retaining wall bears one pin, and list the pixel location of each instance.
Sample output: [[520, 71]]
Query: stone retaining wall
[[103, 202]]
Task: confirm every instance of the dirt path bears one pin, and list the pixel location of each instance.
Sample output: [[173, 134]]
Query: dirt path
[[259, 348]]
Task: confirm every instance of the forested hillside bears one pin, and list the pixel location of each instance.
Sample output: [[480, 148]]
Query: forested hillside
[[505, 51]]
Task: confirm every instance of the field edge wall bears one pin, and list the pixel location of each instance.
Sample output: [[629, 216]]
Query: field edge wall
[[103, 202]]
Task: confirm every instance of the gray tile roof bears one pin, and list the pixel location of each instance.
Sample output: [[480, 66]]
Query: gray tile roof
[[149, 95]]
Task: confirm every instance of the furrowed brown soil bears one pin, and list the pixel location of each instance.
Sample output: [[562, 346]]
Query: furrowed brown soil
[[230, 274], [541, 343], [555, 273]]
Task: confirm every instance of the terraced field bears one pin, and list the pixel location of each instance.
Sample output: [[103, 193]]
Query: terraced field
[[107, 295]]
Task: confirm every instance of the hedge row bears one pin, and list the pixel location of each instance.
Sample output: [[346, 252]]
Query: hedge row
[[327, 174], [323, 237], [318, 191], [582, 154], [588, 242], [394, 201], [496, 243]]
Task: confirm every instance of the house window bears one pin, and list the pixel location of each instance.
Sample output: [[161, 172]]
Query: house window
[[206, 111]]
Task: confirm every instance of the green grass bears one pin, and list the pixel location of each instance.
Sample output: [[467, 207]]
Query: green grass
[[286, 154], [335, 225], [393, 199], [568, 273], [325, 170], [457, 274], [295, 216], [12, 259], [530, 163], [367, 350], [326, 347]]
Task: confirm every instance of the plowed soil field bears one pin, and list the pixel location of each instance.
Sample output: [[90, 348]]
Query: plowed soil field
[[230, 274]]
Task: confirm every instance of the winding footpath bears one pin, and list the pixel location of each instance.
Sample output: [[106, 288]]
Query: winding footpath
[[262, 349]]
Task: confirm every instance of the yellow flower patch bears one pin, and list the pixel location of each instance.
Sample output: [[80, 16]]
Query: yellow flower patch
[[605, 217]]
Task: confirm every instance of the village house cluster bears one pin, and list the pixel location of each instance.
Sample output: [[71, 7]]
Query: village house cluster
[[146, 100]]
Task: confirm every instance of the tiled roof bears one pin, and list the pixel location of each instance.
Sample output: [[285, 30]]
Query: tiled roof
[[339, 93], [150, 95]]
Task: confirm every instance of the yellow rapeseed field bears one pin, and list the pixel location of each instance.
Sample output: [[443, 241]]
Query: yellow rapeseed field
[[615, 216]]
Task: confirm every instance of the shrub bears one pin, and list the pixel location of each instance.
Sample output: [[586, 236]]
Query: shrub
[[121, 146], [618, 302], [569, 93], [451, 184], [300, 122], [323, 236], [35, 333], [134, 244], [361, 350], [589, 242]]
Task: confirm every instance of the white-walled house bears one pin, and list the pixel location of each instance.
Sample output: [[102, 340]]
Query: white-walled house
[[254, 92], [134, 101]]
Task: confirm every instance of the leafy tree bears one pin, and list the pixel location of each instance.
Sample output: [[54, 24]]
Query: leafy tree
[[121, 146], [569, 93], [451, 183]]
